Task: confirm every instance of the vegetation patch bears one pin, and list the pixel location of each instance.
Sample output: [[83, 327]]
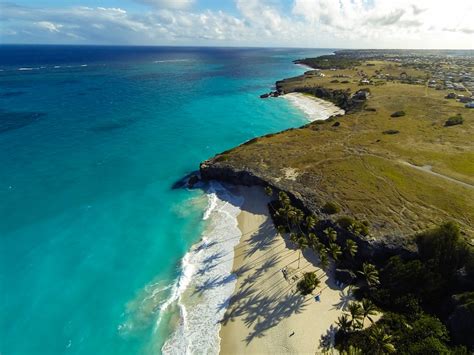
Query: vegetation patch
[[331, 208], [398, 114], [391, 131], [454, 120], [308, 283]]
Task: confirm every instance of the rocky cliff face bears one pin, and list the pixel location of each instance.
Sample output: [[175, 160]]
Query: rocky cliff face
[[374, 248]]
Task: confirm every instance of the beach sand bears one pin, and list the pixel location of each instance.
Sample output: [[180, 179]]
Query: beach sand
[[315, 109], [265, 309]]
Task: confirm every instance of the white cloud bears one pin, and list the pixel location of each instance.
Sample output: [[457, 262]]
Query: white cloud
[[51, 27], [168, 4], [311, 23]]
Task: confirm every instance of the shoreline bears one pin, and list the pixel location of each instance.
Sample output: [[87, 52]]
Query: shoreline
[[315, 109], [265, 309]]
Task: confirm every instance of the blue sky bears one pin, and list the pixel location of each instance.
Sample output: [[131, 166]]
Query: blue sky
[[286, 23]]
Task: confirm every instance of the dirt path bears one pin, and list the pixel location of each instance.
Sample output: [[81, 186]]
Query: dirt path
[[427, 169]]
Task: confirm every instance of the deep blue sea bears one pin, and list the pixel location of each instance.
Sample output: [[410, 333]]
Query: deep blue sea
[[94, 239]]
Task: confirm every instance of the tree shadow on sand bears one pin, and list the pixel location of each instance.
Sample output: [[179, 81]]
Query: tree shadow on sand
[[327, 340], [261, 240], [345, 298]]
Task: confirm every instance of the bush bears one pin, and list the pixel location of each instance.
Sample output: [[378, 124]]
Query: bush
[[331, 208], [309, 282], [454, 120], [334, 81], [398, 114], [391, 131], [345, 222]]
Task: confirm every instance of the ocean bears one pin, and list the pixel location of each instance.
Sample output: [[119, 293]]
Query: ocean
[[100, 252]]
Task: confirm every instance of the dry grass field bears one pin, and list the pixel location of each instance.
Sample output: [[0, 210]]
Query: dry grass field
[[401, 183]]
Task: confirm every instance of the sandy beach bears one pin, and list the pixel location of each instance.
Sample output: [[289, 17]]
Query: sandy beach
[[266, 314], [314, 108]]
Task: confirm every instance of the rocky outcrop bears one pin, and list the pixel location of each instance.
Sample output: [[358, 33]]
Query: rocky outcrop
[[342, 98]]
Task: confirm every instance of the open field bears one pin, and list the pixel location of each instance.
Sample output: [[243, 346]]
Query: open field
[[363, 164]]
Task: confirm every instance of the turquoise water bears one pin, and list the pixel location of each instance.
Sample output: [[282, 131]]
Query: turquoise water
[[92, 140]]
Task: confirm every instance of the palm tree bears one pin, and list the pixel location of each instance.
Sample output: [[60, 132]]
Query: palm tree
[[335, 250], [284, 198], [269, 191], [294, 237], [310, 222], [323, 257], [331, 234], [344, 323], [368, 309], [302, 245], [370, 274], [352, 350], [382, 342], [281, 229], [356, 312], [351, 247]]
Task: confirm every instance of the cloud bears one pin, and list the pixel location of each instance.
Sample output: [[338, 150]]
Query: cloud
[[387, 19], [51, 27], [168, 4], [306, 23]]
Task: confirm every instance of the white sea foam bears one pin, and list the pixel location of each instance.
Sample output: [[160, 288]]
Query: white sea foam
[[206, 282], [27, 69], [314, 108]]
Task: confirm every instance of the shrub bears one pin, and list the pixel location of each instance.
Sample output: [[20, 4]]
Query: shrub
[[398, 114], [391, 131], [308, 283], [331, 208], [221, 158], [345, 222], [454, 120], [334, 81]]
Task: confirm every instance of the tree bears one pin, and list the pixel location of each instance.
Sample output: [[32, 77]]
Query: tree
[[331, 234], [308, 283], [351, 247], [281, 229], [335, 250], [370, 274], [352, 350], [323, 257], [368, 309], [284, 198], [293, 237], [311, 222], [344, 323], [356, 312], [382, 342], [269, 191]]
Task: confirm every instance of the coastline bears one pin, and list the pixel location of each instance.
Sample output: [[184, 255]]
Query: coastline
[[265, 309], [314, 108]]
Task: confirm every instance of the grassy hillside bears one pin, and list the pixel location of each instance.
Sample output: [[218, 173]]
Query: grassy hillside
[[403, 174]]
